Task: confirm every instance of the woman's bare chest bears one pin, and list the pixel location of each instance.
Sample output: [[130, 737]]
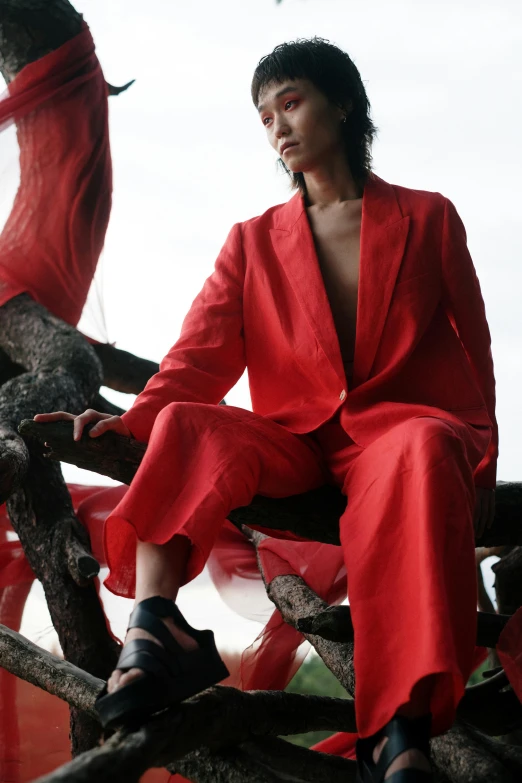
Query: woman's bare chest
[[337, 244]]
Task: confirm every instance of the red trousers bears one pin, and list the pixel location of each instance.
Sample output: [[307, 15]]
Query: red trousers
[[407, 535]]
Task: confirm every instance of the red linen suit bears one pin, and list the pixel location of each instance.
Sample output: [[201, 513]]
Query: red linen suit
[[406, 443]]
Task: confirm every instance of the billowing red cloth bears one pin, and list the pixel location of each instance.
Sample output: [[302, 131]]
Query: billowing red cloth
[[52, 240]]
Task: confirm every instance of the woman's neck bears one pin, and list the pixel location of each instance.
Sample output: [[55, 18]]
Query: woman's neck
[[331, 184]]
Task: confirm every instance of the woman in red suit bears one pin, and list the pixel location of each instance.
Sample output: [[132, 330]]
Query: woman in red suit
[[356, 308]]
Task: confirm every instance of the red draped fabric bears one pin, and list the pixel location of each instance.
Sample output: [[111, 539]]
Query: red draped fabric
[[26, 712], [274, 657], [55, 232]]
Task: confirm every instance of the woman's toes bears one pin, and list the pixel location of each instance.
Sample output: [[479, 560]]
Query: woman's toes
[[127, 677], [113, 681]]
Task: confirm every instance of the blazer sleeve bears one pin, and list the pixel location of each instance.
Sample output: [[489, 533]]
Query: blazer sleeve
[[209, 356], [464, 305]]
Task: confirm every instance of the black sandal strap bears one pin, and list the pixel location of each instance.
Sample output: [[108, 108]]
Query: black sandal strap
[[148, 656], [165, 607], [171, 673], [145, 619], [403, 734], [148, 614]]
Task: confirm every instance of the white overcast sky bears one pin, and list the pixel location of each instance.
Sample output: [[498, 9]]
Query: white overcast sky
[[190, 156]]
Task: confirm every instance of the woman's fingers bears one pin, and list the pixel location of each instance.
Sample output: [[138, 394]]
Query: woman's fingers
[[56, 416], [113, 424], [103, 422], [86, 418], [104, 426]]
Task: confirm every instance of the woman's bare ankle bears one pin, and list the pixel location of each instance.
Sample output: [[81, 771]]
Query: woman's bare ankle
[[413, 758], [160, 568]]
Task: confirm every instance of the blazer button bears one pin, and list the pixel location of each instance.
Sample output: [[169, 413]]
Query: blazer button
[[342, 395]]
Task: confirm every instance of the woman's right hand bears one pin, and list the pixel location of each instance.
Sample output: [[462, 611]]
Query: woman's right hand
[[104, 422]]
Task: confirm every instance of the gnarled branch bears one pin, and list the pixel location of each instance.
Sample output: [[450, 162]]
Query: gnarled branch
[[215, 719], [314, 515]]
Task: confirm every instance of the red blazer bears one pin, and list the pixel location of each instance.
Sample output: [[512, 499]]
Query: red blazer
[[422, 340]]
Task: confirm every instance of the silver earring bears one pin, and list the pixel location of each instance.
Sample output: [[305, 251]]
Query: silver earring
[[344, 118]]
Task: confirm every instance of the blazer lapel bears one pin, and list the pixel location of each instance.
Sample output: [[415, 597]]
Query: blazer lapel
[[294, 246], [383, 239], [384, 232]]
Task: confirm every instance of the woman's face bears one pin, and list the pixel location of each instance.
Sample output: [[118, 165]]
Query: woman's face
[[301, 124]]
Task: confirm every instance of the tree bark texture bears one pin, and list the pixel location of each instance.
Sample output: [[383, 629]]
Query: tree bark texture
[[47, 365], [30, 29]]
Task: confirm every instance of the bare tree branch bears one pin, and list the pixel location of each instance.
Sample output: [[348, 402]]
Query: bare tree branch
[[123, 371], [26, 660], [267, 760], [112, 90], [314, 515], [335, 623], [464, 755], [215, 719]]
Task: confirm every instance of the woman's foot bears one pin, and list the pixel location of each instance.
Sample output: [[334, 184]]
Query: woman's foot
[[119, 679], [408, 749], [410, 759], [163, 662]]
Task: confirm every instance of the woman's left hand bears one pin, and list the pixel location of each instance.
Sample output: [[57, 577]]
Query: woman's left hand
[[484, 510]]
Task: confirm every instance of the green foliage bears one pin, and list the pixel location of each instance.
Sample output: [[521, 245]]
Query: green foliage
[[476, 676]]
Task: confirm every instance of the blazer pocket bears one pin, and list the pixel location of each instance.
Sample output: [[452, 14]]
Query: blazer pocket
[[423, 282]]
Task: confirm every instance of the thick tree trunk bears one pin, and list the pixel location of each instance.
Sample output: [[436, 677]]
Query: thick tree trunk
[[56, 546], [57, 549], [30, 29]]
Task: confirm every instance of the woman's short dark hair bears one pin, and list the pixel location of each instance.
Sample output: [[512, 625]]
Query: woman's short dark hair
[[333, 72]]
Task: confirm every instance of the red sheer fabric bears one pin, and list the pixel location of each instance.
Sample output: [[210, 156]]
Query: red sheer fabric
[[276, 654], [53, 237], [26, 711]]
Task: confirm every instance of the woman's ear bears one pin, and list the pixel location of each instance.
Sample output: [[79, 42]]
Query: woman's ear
[[345, 109]]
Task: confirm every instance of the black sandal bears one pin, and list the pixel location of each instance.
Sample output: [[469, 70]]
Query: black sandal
[[403, 734], [171, 674]]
